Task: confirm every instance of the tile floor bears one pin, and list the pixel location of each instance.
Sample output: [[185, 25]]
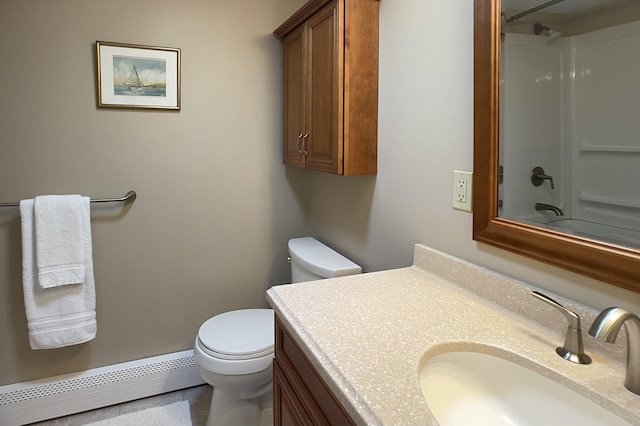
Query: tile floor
[[199, 398]]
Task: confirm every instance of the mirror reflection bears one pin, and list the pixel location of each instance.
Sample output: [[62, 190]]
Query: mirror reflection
[[570, 117]]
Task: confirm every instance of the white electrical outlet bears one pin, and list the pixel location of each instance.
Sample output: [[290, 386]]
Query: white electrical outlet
[[462, 183]]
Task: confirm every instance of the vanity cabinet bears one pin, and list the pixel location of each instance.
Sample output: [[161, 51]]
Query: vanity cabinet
[[330, 53], [300, 396]]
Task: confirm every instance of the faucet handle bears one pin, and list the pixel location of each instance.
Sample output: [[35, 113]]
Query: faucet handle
[[573, 349], [538, 176]]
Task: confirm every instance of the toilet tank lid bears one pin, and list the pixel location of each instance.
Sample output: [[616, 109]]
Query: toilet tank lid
[[316, 257]]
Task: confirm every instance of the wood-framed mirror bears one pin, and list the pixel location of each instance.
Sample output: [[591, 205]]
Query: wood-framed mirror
[[608, 262]]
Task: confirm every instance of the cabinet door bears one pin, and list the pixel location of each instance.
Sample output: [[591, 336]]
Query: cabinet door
[[324, 119], [300, 395], [295, 75], [288, 411]]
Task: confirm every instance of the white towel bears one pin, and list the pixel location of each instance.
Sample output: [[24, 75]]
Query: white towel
[[58, 316], [59, 240]]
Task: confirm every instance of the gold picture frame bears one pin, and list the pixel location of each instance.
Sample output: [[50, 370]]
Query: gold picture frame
[[136, 76]]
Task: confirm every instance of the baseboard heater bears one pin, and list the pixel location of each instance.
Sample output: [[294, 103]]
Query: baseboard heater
[[28, 402]]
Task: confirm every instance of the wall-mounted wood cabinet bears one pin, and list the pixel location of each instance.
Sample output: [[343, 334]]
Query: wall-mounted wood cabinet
[[330, 52], [300, 395]]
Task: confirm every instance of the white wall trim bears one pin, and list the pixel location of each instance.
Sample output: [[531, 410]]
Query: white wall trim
[[43, 399]]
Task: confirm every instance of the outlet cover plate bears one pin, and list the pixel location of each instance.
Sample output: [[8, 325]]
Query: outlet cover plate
[[462, 184]]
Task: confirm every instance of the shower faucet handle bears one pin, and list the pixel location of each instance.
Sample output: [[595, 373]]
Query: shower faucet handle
[[538, 177]]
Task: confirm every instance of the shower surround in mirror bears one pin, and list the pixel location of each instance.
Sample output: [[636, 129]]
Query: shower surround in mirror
[[571, 105]]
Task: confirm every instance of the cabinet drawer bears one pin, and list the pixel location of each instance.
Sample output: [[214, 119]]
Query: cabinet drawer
[[309, 389]]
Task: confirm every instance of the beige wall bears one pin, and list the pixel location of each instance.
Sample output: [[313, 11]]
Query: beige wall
[[215, 205], [425, 132]]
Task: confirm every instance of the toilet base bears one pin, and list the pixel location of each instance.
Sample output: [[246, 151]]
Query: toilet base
[[229, 410]]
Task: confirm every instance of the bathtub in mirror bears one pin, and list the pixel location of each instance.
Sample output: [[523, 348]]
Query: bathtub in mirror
[[570, 101], [557, 145]]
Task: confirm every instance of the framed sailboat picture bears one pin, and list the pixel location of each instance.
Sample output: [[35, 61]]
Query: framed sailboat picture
[[135, 76]]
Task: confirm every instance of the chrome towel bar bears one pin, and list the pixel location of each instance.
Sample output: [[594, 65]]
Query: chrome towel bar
[[129, 196]]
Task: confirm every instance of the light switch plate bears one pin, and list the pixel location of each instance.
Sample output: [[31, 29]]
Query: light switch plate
[[462, 185]]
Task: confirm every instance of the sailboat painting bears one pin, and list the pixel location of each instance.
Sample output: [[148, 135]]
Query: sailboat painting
[[139, 76]]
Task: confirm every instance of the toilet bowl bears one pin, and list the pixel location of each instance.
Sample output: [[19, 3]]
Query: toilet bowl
[[234, 354], [234, 350]]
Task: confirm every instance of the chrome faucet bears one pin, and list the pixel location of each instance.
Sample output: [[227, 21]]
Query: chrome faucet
[[573, 349], [606, 326], [556, 210]]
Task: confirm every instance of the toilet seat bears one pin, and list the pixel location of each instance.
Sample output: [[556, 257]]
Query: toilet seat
[[237, 342], [239, 335]]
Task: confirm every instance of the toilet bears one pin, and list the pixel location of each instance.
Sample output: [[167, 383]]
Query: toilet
[[234, 350]]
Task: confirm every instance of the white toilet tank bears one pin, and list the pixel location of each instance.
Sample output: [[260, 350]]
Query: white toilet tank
[[312, 260]]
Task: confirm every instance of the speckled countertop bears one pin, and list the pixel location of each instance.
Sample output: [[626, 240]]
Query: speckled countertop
[[368, 335]]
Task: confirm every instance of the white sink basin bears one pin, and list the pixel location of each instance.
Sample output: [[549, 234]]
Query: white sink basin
[[470, 388]]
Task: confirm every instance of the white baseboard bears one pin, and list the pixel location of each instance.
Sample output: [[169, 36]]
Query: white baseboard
[[38, 400]]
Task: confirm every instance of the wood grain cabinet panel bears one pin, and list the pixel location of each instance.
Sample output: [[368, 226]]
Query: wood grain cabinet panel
[[301, 397], [330, 52], [294, 96]]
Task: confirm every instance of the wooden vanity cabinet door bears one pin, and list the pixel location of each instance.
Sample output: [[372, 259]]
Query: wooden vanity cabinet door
[[300, 395], [287, 410]]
